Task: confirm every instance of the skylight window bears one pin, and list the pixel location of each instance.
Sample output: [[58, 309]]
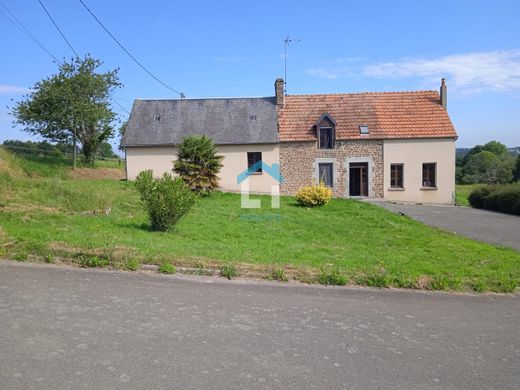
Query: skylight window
[[363, 129]]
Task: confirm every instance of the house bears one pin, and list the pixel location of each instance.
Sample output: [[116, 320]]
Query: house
[[399, 146]]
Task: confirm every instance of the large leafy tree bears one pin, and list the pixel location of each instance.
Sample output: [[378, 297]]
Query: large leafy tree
[[490, 163], [72, 105], [198, 164], [487, 167]]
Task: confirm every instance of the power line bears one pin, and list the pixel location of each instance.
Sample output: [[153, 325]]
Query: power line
[[130, 54], [16, 22], [57, 28], [116, 101], [75, 52]]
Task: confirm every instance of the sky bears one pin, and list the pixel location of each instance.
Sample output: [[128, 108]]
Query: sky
[[236, 48]]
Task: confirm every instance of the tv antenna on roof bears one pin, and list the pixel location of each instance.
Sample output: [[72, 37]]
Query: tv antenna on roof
[[288, 40]]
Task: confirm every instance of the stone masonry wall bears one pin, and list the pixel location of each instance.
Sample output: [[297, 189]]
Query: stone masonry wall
[[298, 164]]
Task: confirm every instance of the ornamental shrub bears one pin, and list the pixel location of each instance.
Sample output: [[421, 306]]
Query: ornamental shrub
[[504, 198], [198, 163], [166, 200], [312, 196]]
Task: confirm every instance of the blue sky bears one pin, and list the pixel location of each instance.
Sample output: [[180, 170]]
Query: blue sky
[[235, 48]]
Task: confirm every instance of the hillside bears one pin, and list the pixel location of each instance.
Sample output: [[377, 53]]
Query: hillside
[[30, 165], [47, 214]]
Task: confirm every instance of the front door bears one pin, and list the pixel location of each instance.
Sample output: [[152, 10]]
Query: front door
[[358, 179]]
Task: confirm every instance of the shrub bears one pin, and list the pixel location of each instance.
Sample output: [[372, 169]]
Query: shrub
[[228, 271], [198, 164], [166, 199], [167, 268], [476, 197], [504, 198], [312, 196]]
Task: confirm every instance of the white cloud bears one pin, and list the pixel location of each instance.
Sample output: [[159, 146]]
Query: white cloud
[[332, 73], [467, 73], [12, 90], [472, 72]]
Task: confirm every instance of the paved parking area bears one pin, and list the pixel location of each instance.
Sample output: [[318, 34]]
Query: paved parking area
[[494, 228]]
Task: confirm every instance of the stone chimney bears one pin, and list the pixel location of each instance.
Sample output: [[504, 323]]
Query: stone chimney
[[444, 94], [278, 92]]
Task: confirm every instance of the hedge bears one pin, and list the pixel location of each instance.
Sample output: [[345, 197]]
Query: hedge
[[504, 198]]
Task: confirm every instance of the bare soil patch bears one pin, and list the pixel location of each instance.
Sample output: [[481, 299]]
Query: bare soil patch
[[97, 173]]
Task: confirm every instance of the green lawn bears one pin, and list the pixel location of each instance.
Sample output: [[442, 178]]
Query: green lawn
[[371, 246], [462, 192]]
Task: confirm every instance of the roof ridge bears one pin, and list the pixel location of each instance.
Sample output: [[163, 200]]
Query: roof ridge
[[202, 98], [364, 93]]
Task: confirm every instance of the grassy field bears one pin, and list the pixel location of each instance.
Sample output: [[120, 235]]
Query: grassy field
[[462, 192], [50, 215]]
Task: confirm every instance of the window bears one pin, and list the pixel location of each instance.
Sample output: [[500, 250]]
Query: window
[[252, 159], [428, 175], [326, 174], [363, 129], [396, 176], [326, 138], [157, 118]]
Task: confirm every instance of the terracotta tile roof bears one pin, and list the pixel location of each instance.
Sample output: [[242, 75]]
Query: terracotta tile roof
[[387, 114]]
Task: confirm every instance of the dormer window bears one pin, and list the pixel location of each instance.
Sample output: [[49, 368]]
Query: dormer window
[[326, 137], [363, 129], [326, 131]]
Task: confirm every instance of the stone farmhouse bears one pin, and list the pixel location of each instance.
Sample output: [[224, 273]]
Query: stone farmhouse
[[399, 146]]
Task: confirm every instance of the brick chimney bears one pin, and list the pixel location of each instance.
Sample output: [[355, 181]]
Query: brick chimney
[[278, 92], [444, 94]]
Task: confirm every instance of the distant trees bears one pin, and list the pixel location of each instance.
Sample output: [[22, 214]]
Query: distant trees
[[72, 105], [489, 164], [37, 148], [58, 149]]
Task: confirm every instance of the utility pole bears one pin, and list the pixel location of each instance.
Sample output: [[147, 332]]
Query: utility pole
[[287, 41], [74, 150]]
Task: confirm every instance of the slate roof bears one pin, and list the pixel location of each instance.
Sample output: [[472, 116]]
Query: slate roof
[[225, 120], [387, 114]]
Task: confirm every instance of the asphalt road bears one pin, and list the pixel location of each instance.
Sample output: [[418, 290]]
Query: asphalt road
[[483, 225], [63, 328]]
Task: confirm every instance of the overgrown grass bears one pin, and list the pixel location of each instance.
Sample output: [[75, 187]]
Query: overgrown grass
[[50, 166], [365, 244], [462, 192], [167, 268]]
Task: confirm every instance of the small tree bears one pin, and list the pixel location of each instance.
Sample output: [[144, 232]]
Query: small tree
[[166, 199], [198, 164], [73, 104]]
